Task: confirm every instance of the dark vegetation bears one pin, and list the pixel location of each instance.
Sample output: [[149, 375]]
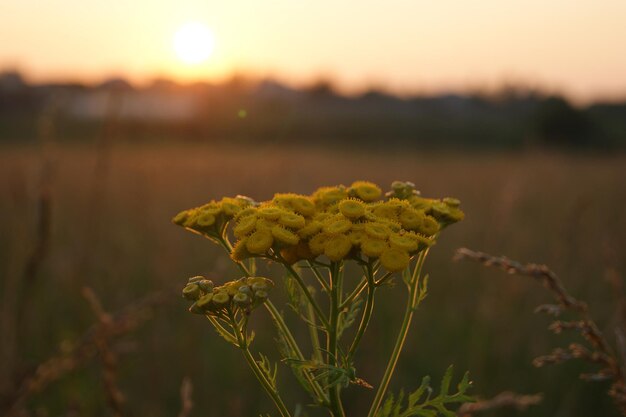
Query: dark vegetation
[[244, 111]]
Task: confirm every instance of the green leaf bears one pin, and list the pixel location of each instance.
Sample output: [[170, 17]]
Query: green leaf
[[445, 382], [347, 318], [415, 396], [421, 403]]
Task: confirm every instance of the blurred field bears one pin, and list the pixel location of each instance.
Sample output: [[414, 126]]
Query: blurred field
[[111, 230]]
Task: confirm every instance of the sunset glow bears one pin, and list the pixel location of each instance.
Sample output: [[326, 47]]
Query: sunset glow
[[194, 43], [402, 46]]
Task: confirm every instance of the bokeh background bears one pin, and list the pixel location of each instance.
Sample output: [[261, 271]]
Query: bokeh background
[[107, 130]]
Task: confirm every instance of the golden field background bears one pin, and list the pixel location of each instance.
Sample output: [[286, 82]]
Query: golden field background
[[111, 206]]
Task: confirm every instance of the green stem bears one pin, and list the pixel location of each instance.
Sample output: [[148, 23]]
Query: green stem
[[335, 293], [282, 328], [293, 345], [308, 295], [260, 375], [404, 329], [354, 294], [319, 277], [367, 311], [313, 331]]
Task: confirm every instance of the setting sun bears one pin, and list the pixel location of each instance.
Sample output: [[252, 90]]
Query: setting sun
[[194, 43]]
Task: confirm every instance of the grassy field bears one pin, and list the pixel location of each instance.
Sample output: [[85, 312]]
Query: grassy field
[[111, 231]]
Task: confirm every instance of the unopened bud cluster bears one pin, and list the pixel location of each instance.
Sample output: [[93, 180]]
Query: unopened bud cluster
[[336, 222], [245, 293]]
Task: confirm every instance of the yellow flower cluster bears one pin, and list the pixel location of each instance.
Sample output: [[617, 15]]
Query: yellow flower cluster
[[245, 293], [212, 218], [337, 222]]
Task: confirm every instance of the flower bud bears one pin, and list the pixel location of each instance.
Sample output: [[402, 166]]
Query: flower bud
[[245, 289], [206, 285], [241, 299], [203, 302], [220, 299], [191, 292], [261, 295]]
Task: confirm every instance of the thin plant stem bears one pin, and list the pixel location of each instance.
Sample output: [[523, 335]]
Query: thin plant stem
[[260, 375], [367, 311], [333, 350], [319, 276], [355, 293], [308, 295], [293, 345], [412, 299], [313, 331], [282, 328]]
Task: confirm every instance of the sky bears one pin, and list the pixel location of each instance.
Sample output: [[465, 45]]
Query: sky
[[406, 46]]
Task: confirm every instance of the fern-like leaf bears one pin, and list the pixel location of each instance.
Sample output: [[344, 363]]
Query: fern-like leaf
[[420, 402]]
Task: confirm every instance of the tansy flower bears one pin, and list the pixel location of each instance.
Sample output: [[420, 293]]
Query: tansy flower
[[403, 242], [285, 236], [366, 191], [377, 230], [337, 247], [260, 241], [293, 220], [318, 243], [394, 259], [337, 226], [245, 226], [310, 229], [373, 247], [352, 209]]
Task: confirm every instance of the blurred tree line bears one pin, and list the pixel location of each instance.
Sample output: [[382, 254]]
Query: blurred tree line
[[245, 111]]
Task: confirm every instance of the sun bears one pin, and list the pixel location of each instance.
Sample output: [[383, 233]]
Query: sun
[[194, 43]]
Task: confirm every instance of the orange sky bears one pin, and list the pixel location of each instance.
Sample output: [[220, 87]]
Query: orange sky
[[577, 47]]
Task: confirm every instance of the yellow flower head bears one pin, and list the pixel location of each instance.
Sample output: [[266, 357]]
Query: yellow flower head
[[270, 213], [213, 207], [180, 218], [366, 191], [327, 196], [284, 235], [318, 242], [337, 225], [394, 259], [292, 220], [303, 205], [357, 236], [385, 211], [231, 206], [310, 229], [245, 226], [429, 226], [264, 224], [337, 247], [373, 247], [352, 209], [260, 241], [377, 230], [205, 220], [411, 219], [240, 251], [248, 211], [403, 242], [421, 202]]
